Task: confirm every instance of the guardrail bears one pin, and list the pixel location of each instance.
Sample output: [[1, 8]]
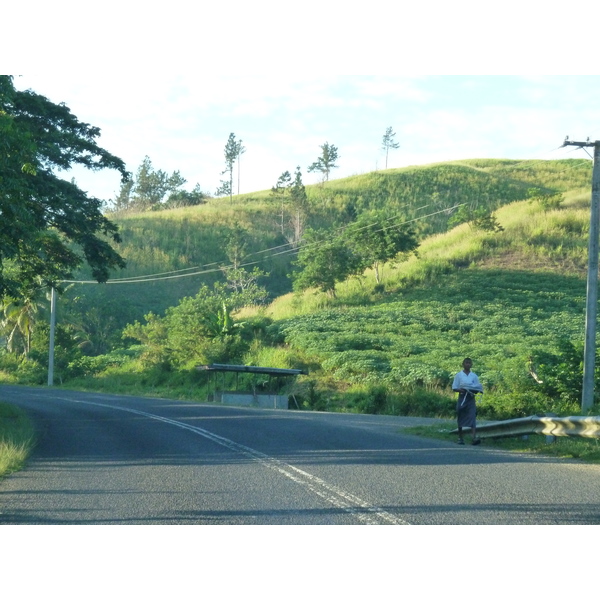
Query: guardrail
[[543, 425]]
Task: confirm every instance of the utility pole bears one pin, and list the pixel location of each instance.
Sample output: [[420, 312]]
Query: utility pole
[[52, 327], [591, 309]]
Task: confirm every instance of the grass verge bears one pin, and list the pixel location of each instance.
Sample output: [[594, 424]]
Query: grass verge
[[17, 439], [584, 449]]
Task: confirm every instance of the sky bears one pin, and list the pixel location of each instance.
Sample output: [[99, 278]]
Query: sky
[[182, 122], [171, 81]]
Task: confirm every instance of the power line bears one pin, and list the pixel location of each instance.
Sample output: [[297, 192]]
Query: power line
[[289, 248]]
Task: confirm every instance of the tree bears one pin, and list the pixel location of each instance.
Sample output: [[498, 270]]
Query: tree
[[153, 189], [325, 162], [546, 201], [324, 261], [233, 151], [294, 205], [123, 199], [478, 218], [48, 226], [180, 198], [18, 321], [242, 283], [300, 208], [198, 330], [388, 143], [280, 193], [377, 238]]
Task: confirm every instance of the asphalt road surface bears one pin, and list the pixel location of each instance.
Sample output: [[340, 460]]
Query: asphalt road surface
[[122, 460]]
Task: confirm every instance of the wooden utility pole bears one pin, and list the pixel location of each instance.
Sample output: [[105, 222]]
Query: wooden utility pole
[[591, 309]]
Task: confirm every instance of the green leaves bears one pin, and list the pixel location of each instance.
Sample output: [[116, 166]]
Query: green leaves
[[324, 261], [325, 162], [388, 143], [233, 151], [48, 226], [375, 238]]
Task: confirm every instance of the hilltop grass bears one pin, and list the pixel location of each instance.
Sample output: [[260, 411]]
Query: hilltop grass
[[195, 237], [17, 439]]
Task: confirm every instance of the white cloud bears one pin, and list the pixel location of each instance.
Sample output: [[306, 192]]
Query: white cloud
[[182, 120]]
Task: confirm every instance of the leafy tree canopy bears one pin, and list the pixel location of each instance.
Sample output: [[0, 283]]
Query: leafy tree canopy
[[388, 143], [378, 237], [233, 151], [325, 162], [155, 189], [48, 226], [324, 261]]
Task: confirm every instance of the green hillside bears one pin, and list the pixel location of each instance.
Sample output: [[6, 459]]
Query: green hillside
[[513, 299], [192, 240]]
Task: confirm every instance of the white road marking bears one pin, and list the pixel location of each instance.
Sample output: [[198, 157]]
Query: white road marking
[[358, 508]]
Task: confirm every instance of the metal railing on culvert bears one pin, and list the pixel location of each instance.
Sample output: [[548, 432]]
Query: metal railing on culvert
[[547, 425]]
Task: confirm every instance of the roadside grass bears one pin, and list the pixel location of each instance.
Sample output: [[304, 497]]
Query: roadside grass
[[17, 439], [584, 449]]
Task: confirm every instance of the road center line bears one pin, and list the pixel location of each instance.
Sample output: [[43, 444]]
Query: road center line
[[358, 508]]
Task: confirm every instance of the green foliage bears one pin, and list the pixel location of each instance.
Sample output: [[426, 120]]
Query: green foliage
[[480, 218], [49, 226], [548, 201], [199, 330], [388, 143], [153, 189], [17, 438], [322, 262], [233, 151], [325, 162], [561, 372], [378, 237]]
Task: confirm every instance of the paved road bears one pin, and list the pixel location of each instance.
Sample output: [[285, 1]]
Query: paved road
[[123, 460]]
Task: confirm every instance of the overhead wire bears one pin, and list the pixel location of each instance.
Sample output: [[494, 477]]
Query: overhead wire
[[290, 247], [294, 250]]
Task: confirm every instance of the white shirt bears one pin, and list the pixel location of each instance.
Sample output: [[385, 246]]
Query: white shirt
[[466, 381]]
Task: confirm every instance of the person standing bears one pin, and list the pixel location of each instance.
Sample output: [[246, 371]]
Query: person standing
[[466, 383]]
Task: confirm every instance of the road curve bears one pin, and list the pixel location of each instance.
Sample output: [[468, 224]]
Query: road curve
[[105, 459]]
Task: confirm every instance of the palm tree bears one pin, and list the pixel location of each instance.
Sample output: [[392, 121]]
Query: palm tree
[[18, 322]]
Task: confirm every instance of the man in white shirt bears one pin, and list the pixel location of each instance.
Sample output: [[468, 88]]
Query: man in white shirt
[[466, 383]]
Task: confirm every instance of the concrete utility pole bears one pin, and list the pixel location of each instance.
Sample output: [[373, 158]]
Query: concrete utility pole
[[52, 327], [591, 309]]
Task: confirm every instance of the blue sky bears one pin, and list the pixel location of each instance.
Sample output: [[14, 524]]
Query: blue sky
[[173, 81], [182, 122]]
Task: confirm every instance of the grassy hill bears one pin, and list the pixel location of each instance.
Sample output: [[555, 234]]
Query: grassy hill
[[513, 300], [189, 243]]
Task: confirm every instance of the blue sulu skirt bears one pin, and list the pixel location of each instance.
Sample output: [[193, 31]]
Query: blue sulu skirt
[[466, 410]]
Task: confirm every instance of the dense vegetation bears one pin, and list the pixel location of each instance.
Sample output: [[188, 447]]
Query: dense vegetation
[[512, 297]]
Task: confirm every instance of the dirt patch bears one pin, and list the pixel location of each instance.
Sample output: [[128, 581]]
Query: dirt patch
[[519, 261]]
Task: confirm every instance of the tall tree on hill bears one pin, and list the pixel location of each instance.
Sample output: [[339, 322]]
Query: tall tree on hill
[[280, 194], [323, 261], [300, 208], [49, 226], [325, 162], [379, 237], [240, 150], [388, 143], [233, 151], [294, 205]]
